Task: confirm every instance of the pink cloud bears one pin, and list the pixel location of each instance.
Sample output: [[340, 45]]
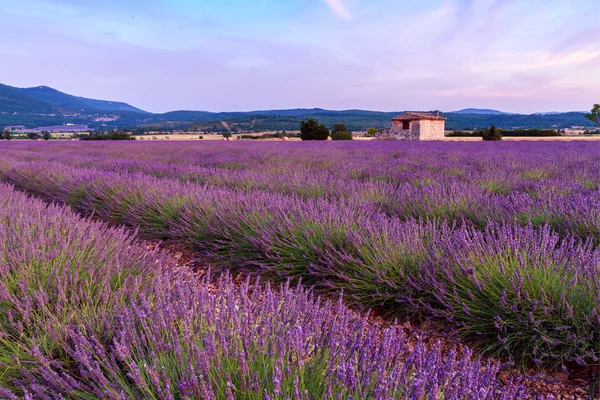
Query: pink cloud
[[338, 7]]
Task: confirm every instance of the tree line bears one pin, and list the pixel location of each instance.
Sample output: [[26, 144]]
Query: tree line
[[311, 129]]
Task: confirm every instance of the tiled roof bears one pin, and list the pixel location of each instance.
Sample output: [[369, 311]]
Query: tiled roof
[[411, 116]]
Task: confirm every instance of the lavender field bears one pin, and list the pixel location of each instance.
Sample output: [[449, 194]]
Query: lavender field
[[499, 243], [88, 313]]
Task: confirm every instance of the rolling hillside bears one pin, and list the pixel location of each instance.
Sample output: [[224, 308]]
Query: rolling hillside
[[13, 100], [67, 102], [43, 105]]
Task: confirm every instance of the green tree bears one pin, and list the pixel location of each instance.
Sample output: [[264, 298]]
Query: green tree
[[311, 129], [46, 135], [2, 130], [594, 114], [33, 135], [492, 134], [227, 135], [371, 132], [340, 132], [6, 135]]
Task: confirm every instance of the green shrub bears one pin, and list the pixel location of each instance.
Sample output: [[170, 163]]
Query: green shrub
[[311, 129], [107, 136], [371, 132], [492, 134], [508, 133], [340, 132]]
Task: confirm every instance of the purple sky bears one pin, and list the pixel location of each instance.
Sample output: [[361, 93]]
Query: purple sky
[[224, 55]]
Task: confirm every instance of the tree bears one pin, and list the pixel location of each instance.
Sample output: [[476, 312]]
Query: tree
[[492, 134], [311, 129], [2, 129], [340, 132], [371, 132], [33, 135], [46, 135], [6, 135], [227, 135], [594, 114]]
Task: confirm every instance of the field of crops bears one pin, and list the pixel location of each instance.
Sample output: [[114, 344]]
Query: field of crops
[[498, 242]]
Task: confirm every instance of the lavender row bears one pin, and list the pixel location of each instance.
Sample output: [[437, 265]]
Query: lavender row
[[58, 271], [88, 312], [557, 184], [524, 292]]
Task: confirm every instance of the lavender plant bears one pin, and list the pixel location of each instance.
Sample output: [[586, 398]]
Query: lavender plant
[[556, 184], [88, 312], [503, 245]]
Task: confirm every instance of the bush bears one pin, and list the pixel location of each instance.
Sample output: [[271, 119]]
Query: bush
[[530, 132], [107, 136], [492, 134], [275, 135], [507, 132], [462, 134], [311, 129], [340, 132], [371, 132]]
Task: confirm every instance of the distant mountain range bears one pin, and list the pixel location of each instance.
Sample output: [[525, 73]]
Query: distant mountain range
[[42, 106], [45, 100], [484, 111]]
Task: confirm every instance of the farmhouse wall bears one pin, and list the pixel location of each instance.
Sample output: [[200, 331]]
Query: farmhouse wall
[[397, 133], [414, 126], [431, 130]]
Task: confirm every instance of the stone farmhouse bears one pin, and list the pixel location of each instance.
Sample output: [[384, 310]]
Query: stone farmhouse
[[415, 126]]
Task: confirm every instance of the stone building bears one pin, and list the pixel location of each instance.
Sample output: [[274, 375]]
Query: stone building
[[415, 126]]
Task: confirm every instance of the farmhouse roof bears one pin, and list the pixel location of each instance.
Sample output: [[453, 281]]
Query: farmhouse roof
[[412, 116]]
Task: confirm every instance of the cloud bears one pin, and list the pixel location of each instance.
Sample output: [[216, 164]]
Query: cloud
[[394, 55], [339, 9]]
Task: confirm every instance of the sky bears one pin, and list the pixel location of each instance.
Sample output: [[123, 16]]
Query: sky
[[235, 55]]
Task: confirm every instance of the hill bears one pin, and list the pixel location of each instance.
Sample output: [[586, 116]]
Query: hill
[[67, 102], [13, 100], [42, 105], [23, 105], [358, 120], [479, 111]]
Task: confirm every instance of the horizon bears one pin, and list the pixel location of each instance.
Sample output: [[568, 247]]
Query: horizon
[[517, 57], [478, 110]]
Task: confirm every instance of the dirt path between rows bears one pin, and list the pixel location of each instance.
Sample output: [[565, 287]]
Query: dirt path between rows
[[581, 384]]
